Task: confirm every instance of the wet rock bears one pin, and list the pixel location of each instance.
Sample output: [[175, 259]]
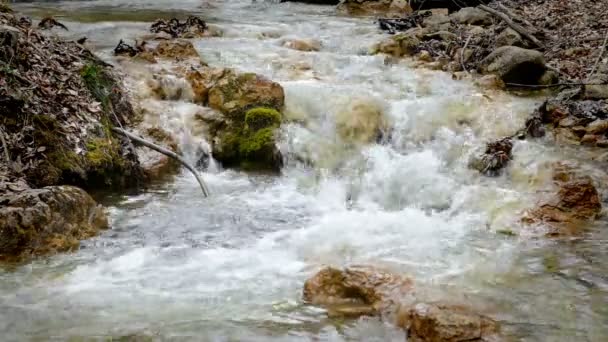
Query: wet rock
[[430, 322], [496, 156], [303, 44], [193, 27], [508, 37], [576, 203], [403, 44], [394, 8], [356, 290], [234, 93], [48, 23], [202, 79], [425, 56], [597, 127], [362, 121], [251, 143], [589, 139], [472, 16], [515, 65], [490, 82], [176, 49], [156, 165], [43, 221]]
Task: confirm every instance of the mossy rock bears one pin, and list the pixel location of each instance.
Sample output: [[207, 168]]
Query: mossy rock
[[252, 144]]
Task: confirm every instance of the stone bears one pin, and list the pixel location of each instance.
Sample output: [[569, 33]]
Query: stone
[[490, 82], [515, 65], [356, 290], [589, 139], [425, 56], [362, 121], [508, 37], [597, 127], [316, 2], [44, 221], [549, 77], [156, 165], [303, 44], [433, 322], [176, 49], [476, 31], [472, 16], [598, 91], [437, 22], [235, 93], [202, 80], [576, 203], [391, 8], [603, 142]]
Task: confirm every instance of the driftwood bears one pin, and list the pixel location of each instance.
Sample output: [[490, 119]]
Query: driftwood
[[166, 152], [512, 24]]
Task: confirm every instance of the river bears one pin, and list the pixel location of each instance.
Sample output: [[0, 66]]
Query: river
[[177, 266]]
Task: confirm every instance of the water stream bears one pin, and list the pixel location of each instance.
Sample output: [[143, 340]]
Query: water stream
[[176, 266]]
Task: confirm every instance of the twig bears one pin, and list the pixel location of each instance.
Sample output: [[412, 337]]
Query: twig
[[552, 85], [513, 25], [166, 152], [7, 156], [599, 58], [464, 67]]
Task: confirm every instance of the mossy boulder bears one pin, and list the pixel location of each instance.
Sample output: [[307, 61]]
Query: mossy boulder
[[235, 93], [250, 144], [47, 220]]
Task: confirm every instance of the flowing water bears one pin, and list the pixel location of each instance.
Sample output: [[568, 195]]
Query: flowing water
[[177, 266]]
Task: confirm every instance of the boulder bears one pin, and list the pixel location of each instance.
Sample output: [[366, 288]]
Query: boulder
[[176, 49], [234, 93], [156, 165], [362, 121], [509, 36], [47, 220], [403, 44], [392, 8], [515, 65], [202, 79], [437, 22], [250, 143], [303, 44], [356, 290], [472, 16], [433, 322], [576, 203]]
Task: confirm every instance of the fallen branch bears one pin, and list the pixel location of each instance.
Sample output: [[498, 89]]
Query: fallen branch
[[166, 152], [464, 67], [599, 58], [512, 24], [540, 86], [515, 17], [5, 148]]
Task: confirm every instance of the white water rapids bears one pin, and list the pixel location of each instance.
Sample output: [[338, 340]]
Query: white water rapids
[[176, 266]]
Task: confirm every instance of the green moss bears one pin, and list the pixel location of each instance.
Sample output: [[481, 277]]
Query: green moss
[[101, 152], [98, 83], [259, 141], [262, 117]]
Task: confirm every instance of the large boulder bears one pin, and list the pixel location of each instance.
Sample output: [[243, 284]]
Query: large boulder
[[392, 8], [515, 65], [356, 290], [234, 93], [431, 322], [472, 16], [42, 221]]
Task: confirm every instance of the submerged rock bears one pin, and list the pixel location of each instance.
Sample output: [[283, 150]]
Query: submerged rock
[[43, 221], [361, 121], [431, 322], [576, 203], [356, 290], [303, 44]]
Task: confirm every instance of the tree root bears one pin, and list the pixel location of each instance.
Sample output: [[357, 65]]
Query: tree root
[[166, 152]]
